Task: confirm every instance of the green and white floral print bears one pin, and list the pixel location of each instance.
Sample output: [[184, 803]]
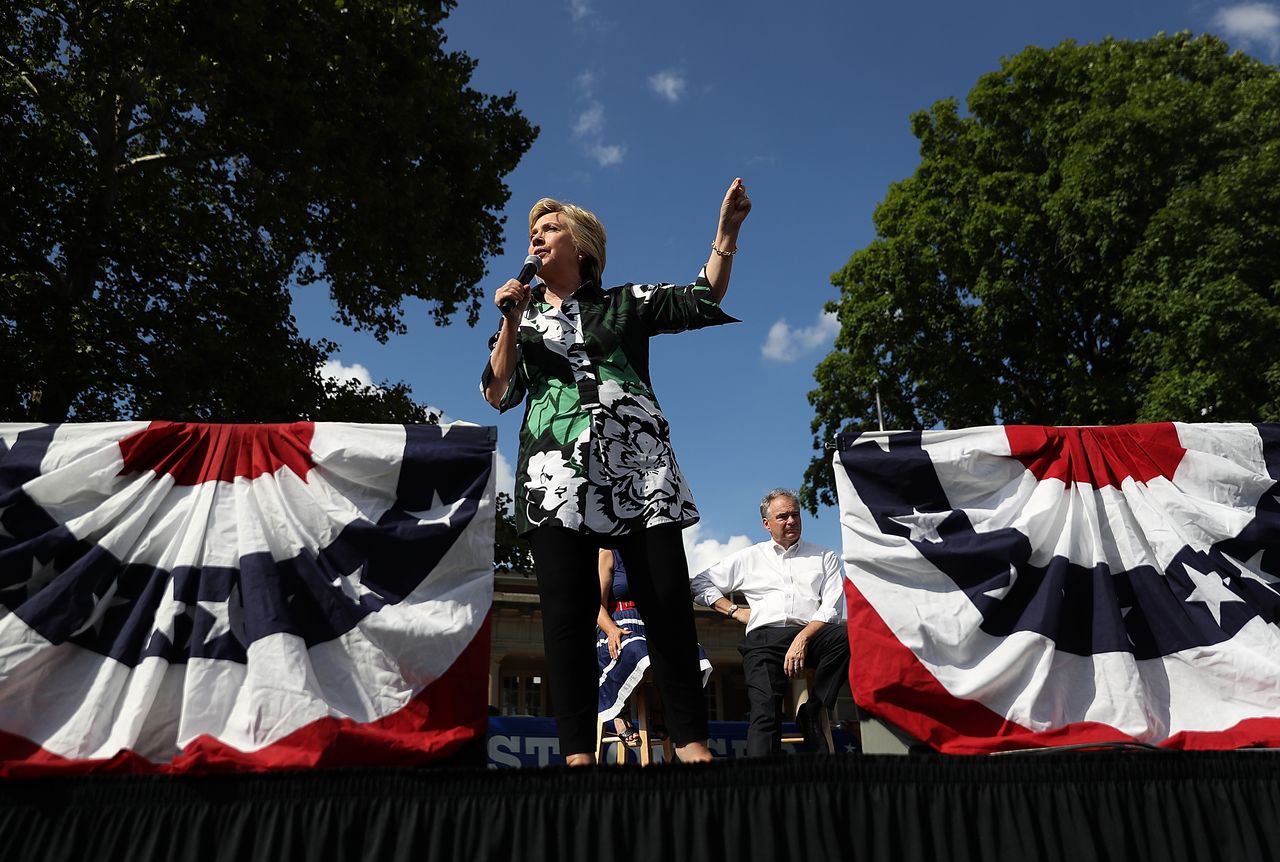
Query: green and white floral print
[[595, 449]]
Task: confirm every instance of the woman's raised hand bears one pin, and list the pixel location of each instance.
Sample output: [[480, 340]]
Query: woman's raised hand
[[734, 209]]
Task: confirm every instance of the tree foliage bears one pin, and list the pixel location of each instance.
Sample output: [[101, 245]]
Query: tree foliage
[[172, 167], [1096, 241], [511, 553]]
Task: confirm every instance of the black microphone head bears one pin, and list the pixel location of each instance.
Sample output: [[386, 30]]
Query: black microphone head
[[532, 264]]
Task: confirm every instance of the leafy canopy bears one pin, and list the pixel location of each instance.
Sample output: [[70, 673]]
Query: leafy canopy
[[1097, 241], [172, 167]]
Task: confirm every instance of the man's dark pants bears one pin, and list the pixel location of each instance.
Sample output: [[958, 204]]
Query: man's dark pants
[[763, 650]]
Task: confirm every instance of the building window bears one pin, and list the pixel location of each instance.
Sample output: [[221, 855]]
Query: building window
[[523, 693], [533, 695]]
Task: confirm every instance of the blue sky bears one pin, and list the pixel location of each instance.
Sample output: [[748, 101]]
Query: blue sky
[[648, 111]]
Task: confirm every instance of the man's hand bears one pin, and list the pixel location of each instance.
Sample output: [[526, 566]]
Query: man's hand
[[793, 662]]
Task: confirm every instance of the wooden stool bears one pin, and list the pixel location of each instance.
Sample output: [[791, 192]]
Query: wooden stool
[[639, 704]]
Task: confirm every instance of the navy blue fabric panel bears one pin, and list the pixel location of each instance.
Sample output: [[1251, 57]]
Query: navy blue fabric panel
[[448, 466], [21, 462]]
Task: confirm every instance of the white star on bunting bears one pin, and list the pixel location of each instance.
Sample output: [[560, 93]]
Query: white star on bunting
[[353, 587], [102, 604], [881, 441], [923, 525], [167, 615], [227, 617], [1252, 569], [42, 574], [1209, 590], [439, 513]]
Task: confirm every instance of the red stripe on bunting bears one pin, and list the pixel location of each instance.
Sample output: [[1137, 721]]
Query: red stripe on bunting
[[1098, 456], [889, 681], [194, 452], [449, 713]]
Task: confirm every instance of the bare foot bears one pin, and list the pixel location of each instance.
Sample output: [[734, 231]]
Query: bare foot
[[694, 752], [580, 760]]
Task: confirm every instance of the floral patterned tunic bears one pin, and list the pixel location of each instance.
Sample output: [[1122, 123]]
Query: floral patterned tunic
[[595, 449]]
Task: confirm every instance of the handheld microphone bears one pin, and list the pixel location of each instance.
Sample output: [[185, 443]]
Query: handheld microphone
[[532, 264]]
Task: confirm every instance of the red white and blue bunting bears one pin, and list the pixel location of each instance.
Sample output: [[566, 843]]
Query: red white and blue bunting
[[1025, 586], [180, 597]]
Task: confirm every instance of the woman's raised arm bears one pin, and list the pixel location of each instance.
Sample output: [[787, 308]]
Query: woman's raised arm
[[733, 211]]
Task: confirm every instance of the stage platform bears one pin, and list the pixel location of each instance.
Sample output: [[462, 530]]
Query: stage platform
[[1072, 807]]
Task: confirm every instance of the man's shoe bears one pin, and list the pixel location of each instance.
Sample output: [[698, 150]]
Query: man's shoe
[[813, 721]]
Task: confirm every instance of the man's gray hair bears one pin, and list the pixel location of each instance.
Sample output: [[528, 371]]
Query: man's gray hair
[[772, 495]]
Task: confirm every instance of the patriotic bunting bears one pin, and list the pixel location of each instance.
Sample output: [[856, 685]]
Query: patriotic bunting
[[1027, 586], [178, 597]]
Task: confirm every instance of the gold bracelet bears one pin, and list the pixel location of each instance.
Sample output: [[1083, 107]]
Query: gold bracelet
[[724, 253]]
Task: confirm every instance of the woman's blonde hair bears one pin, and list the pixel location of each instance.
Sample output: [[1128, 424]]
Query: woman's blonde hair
[[584, 228]]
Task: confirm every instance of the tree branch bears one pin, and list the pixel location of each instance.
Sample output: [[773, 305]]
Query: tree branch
[[180, 160], [22, 74], [46, 100]]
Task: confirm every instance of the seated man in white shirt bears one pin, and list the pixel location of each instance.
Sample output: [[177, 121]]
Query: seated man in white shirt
[[795, 589]]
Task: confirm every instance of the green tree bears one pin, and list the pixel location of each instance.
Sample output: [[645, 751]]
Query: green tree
[[172, 167], [511, 554], [1097, 241]]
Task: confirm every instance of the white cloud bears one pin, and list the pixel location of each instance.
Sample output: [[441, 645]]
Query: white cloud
[[607, 154], [704, 552], [335, 370], [504, 482], [1251, 24], [580, 9], [588, 127], [590, 122], [668, 84], [785, 344], [332, 369]]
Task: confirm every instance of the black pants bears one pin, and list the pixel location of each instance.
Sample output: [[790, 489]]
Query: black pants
[[763, 650], [569, 585]]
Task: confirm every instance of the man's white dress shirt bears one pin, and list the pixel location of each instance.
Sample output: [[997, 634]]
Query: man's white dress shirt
[[795, 586]]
